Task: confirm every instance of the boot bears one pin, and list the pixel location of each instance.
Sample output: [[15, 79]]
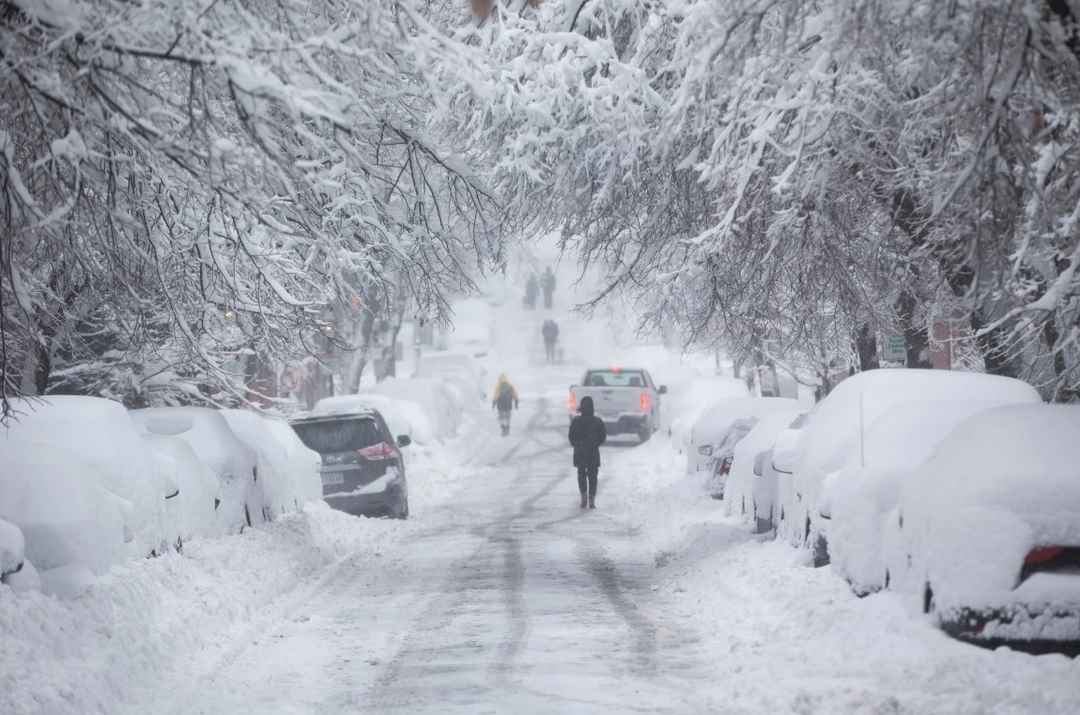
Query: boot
[[592, 501], [584, 500]]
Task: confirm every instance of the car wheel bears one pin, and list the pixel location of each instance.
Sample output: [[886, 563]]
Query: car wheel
[[645, 434], [403, 510], [927, 599]]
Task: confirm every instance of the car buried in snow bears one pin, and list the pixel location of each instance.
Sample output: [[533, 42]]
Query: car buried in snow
[[625, 398], [834, 434], [720, 428], [986, 536], [363, 471]]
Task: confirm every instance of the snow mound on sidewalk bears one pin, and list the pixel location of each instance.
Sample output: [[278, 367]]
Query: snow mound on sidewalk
[[175, 615]]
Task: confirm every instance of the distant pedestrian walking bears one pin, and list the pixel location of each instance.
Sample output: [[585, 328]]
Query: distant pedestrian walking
[[506, 399], [548, 284], [532, 290], [550, 330], [587, 433]]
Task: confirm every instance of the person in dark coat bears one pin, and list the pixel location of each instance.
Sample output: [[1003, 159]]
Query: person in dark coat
[[547, 282], [587, 433], [550, 331], [532, 288]]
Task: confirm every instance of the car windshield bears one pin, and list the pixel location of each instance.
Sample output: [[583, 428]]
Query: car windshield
[[738, 430], [614, 378], [342, 435]]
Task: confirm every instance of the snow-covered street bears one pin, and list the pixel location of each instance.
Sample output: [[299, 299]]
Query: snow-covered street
[[501, 595]]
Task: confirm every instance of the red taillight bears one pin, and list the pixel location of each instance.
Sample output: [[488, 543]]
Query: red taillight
[[377, 452], [725, 465], [646, 402], [1042, 554], [571, 402]]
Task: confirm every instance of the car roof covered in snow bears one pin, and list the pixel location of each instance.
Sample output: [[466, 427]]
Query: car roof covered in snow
[[1024, 458], [723, 414], [833, 429]]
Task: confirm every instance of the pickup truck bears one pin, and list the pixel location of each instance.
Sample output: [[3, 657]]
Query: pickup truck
[[626, 399]]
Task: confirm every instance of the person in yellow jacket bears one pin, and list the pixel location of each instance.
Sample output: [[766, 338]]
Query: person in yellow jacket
[[506, 400]]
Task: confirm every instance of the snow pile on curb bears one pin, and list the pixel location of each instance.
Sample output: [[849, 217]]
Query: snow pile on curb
[[146, 617]]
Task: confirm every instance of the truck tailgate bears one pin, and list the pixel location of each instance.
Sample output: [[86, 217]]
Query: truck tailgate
[[610, 402]]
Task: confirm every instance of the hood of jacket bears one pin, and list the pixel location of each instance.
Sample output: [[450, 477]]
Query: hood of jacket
[[586, 407]]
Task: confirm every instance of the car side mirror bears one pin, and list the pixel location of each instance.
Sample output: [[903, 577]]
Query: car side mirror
[[404, 440], [662, 390]]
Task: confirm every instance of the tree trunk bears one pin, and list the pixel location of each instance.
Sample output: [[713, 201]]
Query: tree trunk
[[867, 349], [916, 339]]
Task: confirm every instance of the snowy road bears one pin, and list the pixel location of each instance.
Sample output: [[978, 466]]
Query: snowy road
[[510, 598]]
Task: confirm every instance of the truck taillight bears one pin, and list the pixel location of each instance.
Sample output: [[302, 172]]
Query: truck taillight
[[571, 402], [1042, 554], [377, 452], [646, 402]]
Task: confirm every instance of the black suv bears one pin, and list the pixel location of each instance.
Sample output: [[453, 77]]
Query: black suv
[[362, 469]]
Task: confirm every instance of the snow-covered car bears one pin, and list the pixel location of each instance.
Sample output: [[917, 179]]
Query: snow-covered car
[[625, 398], [233, 464], [986, 536], [88, 445], [438, 401], [856, 497], [288, 471], [193, 492], [719, 428], [73, 527], [751, 485], [363, 471], [838, 424], [782, 458], [461, 370]]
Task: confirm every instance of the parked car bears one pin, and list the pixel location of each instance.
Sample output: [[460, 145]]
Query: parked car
[[719, 428], [751, 485], [625, 398], [856, 497], [286, 474], [363, 472], [65, 439], [986, 536], [233, 464], [193, 495], [782, 458], [836, 429]]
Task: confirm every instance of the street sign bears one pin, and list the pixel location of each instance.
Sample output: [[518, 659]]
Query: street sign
[[894, 349]]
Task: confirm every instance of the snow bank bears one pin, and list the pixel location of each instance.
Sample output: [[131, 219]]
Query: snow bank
[[403, 417], [461, 371], [440, 405], [12, 548], [148, 620]]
